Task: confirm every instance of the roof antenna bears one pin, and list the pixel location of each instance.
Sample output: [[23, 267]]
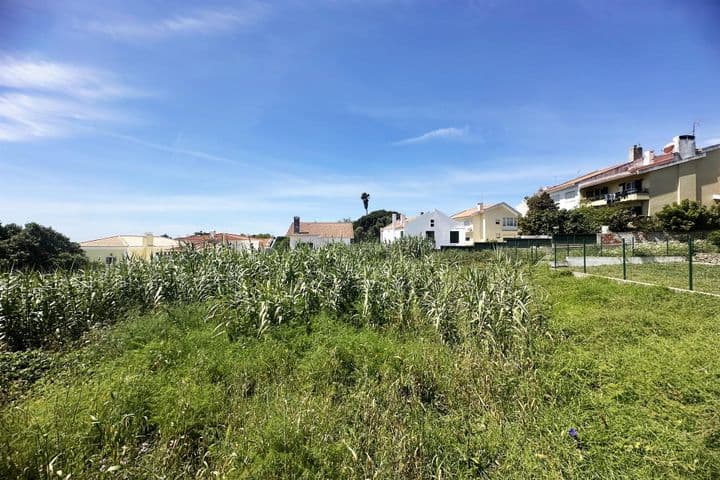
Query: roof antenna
[[695, 123]]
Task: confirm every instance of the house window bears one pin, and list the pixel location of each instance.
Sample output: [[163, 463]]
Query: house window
[[497, 222], [401, 233], [109, 260], [569, 195], [454, 236], [432, 223], [466, 223], [509, 223]]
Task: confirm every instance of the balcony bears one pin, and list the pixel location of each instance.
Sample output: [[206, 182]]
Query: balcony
[[628, 195], [633, 195]]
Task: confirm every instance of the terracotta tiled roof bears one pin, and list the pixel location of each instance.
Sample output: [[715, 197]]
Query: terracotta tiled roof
[[582, 178], [324, 229], [629, 169]]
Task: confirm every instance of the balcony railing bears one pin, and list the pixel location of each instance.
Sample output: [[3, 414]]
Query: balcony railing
[[615, 197]]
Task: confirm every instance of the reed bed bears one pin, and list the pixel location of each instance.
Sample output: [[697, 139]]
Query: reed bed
[[367, 284]]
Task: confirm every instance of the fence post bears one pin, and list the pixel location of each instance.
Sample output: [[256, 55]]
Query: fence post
[[555, 247], [623, 255], [690, 262], [584, 256], [667, 246], [632, 246], [532, 254], [601, 244]]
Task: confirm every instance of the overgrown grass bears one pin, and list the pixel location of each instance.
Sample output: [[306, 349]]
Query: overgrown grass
[[165, 394], [706, 278], [633, 369], [636, 371]]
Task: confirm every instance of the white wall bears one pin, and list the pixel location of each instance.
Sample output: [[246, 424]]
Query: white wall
[[389, 235], [441, 225], [568, 198]]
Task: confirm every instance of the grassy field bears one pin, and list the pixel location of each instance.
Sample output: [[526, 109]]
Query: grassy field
[[706, 278], [633, 369]]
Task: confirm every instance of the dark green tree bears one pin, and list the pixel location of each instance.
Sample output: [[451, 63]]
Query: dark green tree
[[686, 216], [575, 222], [36, 247], [543, 216], [367, 228]]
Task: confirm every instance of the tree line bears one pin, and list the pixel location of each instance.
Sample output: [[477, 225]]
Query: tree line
[[545, 218], [35, 247]]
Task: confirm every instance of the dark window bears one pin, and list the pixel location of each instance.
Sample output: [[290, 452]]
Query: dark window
[[454, 237], [432, 223]]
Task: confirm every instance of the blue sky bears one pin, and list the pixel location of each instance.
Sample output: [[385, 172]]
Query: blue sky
[[170, 117]]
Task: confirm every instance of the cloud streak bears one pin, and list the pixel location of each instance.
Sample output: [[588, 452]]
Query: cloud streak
[[203, 22], [51, 99], [68, 79], [180, 151], [449, 133]]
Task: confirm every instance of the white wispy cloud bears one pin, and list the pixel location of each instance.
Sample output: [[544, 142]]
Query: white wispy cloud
[[205, 22], [65, 78], [449, 133], [25, 117], [53, 99]]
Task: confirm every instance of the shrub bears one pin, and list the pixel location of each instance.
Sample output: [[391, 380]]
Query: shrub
[[686, 216], [714, 238]]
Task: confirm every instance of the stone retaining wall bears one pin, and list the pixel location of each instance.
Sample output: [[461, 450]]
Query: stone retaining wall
[[712, 258]]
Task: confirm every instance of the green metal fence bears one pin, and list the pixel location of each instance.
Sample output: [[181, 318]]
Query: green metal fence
[[685, 262]]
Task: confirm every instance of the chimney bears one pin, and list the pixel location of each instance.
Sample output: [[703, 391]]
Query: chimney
[[402, 219], [296, 224], [394, 219], [636, 153], [148, 240], [685, 146], [648, 157], [480, 206]]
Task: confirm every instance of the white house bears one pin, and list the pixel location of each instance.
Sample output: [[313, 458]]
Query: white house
[[395, 230], [434, 225], [318, 234]]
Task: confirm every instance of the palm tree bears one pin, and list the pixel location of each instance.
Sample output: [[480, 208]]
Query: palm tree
[[365, 197]]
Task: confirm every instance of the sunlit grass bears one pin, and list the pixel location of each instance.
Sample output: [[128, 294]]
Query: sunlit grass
[[706, 278]]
